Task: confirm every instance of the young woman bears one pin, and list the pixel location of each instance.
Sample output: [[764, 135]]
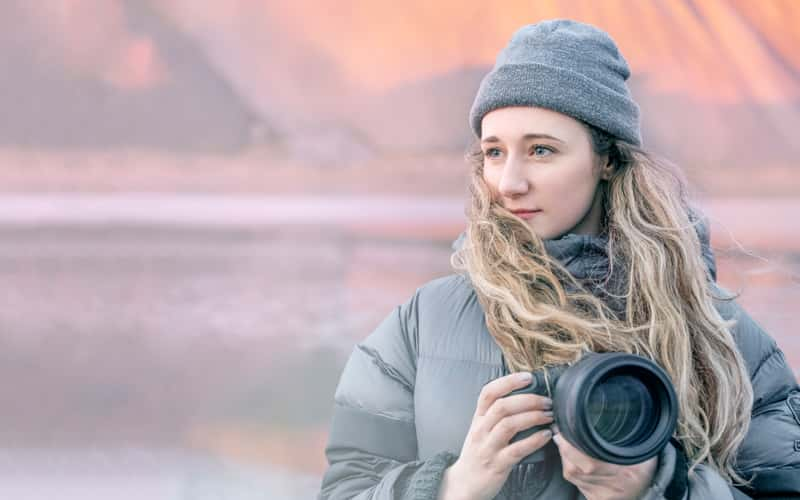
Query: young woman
[[578, 240]]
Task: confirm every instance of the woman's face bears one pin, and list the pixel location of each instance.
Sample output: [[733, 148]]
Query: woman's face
[[542, 160]]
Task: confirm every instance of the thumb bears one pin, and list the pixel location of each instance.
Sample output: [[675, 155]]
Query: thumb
[[556, 435]]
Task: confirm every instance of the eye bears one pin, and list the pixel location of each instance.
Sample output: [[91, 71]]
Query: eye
[[539, 147], [492, 153]]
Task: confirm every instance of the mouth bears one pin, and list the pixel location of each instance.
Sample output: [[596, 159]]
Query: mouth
[[525, 213]]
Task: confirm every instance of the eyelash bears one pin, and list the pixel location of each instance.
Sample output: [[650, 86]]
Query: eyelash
[[487, 155]]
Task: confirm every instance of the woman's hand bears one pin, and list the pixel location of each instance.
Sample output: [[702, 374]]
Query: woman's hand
[[487, 457], [601, 480]]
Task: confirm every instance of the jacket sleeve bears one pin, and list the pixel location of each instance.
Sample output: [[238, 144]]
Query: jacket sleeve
[[372, 444], [770, 453], [705, 483]]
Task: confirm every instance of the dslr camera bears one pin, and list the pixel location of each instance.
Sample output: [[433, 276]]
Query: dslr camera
[[616, 407]]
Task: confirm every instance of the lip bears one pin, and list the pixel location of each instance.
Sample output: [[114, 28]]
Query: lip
[[525, 214]]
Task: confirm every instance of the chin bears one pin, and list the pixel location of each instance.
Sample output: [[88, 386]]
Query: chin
[[552, 234], [545, 234]]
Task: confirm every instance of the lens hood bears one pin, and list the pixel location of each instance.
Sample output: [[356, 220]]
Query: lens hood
[[657, 413]]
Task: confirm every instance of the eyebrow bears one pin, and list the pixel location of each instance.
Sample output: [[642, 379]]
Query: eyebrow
[[526, 137]]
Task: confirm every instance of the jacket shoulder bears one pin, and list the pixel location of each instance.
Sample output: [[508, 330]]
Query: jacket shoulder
[[452, 324], [388, 355], [770, 374], [769, 454], [446, 287]]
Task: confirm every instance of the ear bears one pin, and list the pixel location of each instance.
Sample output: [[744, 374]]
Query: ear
[[606, 168]]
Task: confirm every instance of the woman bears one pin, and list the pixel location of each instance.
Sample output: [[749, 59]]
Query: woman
[[578, 240]]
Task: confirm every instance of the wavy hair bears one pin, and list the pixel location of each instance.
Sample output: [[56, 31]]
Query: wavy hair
[[539, 314]]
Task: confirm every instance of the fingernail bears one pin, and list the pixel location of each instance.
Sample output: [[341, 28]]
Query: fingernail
[[548, 414], [524, 376], [548, 403], [547, 433]]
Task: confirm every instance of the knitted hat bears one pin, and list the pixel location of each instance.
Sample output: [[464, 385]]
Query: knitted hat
[[567, 66]]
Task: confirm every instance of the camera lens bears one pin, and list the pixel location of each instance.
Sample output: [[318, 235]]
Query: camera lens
[[620, 409], [616, 407]]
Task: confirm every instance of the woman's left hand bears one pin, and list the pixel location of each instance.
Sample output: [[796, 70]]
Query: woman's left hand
[[601, 480]]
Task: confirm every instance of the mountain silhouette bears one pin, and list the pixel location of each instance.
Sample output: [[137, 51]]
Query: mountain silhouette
[[718, 81]]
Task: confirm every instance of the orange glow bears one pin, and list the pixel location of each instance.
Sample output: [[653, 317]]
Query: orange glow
[[718, 50], [91, 38], [137, 66], [709, 53]]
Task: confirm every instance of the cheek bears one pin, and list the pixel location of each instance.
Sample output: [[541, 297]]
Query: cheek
[[487, 175], [492, 179], [573, 189]]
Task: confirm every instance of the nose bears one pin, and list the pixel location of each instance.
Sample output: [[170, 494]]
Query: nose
[[513, 180]]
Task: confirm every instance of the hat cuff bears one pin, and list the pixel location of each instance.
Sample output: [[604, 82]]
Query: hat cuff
[[561, 90]]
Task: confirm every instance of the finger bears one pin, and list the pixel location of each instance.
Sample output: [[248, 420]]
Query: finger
[[500, 387], [518, 403], [513, 453], [572, 474], [511, 405], [506, 428], [580, 478], [579, 481], [580, 463]]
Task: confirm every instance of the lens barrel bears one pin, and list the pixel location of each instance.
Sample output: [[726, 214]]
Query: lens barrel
[[616, 407]]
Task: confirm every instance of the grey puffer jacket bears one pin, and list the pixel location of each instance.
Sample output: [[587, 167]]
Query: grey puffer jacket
[[407, 394]]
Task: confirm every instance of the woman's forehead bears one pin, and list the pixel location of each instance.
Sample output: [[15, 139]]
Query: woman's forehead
[[525, 122]]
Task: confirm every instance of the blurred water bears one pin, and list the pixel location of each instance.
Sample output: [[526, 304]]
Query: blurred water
[[221, 328], [152, 474]]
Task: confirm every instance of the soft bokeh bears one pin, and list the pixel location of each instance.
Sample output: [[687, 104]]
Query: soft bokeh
[[205, 205]]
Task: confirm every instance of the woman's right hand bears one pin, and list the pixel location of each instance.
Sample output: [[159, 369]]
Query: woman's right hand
[[487, 457]]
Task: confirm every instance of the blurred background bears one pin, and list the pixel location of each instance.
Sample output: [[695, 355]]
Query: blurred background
[[205, 205]]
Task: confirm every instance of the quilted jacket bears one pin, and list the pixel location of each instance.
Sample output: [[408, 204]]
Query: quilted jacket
[[408, 391]]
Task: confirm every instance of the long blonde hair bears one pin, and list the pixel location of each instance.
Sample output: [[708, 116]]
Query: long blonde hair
[[539, 314]]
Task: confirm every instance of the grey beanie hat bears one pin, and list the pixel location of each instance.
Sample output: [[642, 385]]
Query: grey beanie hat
[[567, 66]]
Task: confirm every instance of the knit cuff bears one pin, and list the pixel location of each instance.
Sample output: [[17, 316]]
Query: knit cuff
[[664, 474], [676, 489], [428, 479]]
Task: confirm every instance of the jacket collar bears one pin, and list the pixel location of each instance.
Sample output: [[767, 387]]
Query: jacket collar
[[586, 256]]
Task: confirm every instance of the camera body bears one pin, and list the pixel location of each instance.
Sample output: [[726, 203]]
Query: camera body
[[616, 407]]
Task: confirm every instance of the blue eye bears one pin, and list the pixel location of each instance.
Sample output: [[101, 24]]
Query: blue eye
[[488, 152], [540, 147]]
